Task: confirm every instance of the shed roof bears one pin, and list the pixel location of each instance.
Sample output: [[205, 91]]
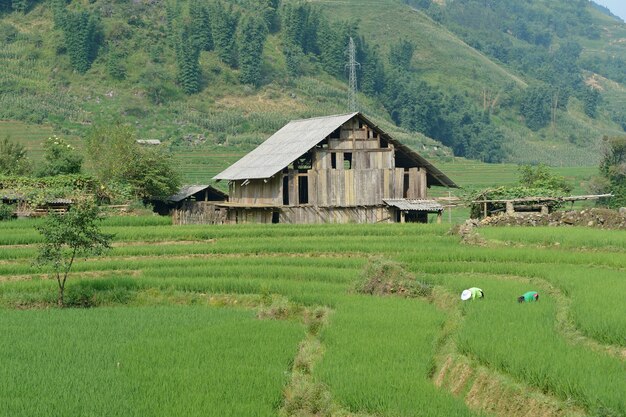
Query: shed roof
[[189, 190], [299, 136], [414, 205]]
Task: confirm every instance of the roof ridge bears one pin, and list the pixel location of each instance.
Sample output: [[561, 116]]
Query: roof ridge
[[325, 117]]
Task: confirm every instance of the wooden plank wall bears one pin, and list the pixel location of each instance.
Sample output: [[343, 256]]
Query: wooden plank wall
[[199, 213], [312, 214], [257, 191], [354, 187], [240, 215]]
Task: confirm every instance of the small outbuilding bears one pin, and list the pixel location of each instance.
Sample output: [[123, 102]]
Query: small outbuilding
[[190, 199]]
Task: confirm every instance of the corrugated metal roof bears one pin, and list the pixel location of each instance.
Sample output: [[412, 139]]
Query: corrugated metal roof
[[148, 141], [282, 148], [415, 205], [297, 137], [189, 190]]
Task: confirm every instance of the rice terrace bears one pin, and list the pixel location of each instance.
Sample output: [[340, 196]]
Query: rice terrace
[[312, 208], [295, 320]]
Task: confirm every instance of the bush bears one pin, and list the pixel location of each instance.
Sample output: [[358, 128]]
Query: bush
[[7, 212]]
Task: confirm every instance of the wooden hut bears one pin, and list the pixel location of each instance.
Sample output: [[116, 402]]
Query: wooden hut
[[335, 169], [193, 204]]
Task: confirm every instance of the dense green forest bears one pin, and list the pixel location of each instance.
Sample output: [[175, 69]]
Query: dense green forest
[[534, 81]]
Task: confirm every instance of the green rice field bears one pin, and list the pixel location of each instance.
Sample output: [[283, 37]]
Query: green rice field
[[267, 320]]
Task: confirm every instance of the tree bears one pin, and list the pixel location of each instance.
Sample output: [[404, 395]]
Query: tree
[[200, 26], [188, 59], [252, 39], [119, 160], [224, 25], [536, 106], [401, 54], [82, 38], [67, 237], [591, 99], [540, 176], [59, 158], [13, 159], [613, 169]]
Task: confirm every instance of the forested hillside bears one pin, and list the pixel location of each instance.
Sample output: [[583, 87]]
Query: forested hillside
[[536, 81]]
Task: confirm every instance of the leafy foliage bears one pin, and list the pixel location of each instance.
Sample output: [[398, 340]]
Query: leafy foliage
[[13, 159], [252, 38], [533, 182], [187, 54], [60, 158], [224, 24], [118, 158], [83, 36], [68, 236], [613, 169]]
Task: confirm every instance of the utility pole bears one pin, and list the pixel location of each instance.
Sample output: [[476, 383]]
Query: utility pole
[[351, 65]]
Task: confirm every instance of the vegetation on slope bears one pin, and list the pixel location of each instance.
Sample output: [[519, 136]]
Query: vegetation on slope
[[215, 74]]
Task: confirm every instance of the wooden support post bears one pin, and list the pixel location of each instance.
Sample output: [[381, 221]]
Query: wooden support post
[[439, 215], [545, 209], [484, 209], [509, 208], [402, 216]]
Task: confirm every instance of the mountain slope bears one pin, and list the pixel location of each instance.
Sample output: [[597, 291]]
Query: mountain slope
[[38, 84]]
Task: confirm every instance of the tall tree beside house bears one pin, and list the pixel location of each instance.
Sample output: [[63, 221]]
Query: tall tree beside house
[[251, 42], [224, 26]]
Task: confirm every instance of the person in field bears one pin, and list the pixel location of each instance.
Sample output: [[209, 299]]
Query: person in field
[[528, 296], [472, 293]]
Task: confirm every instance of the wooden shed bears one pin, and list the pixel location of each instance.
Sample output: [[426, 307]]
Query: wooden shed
[[193, 204], [335, 169]]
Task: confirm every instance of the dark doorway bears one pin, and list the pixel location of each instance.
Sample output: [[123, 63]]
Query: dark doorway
[[285, 190], [416, 217], [303, 190], [275, 217]]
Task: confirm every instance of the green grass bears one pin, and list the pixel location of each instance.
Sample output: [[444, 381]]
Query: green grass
[[143, 362], [379, 352]]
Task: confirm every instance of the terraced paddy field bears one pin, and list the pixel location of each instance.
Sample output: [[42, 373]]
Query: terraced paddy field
[[327, 320]]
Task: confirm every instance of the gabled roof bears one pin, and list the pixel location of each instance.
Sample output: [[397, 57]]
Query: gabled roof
[[282, 148], [298, 136]]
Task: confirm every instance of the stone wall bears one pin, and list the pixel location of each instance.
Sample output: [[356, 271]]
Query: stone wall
[[595, 217]]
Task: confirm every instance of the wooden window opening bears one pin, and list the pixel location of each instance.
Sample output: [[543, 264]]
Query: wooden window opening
[[347, 160], [303, 190]]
